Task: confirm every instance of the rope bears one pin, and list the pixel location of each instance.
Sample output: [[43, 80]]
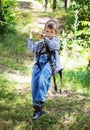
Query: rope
[[7, 23], [10, 24], [60, 37]]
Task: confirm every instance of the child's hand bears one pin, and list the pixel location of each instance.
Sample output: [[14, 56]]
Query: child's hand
[[38, 35], [41, 35], [31, 34]]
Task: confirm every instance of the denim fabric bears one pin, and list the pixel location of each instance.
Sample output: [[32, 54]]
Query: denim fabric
[[40, 82]]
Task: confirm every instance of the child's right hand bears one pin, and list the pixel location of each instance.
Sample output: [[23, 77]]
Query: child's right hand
[[31, 34], [39, 35]]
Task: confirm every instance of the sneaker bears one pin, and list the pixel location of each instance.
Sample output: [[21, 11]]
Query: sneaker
[[37, 114]]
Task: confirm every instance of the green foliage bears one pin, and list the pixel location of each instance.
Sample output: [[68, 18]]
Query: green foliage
[[8, 16], [76, 34], [5, 85], [83, 6], [83, 9], [12, 49], [78, 78], [41, 1], [60, 4]]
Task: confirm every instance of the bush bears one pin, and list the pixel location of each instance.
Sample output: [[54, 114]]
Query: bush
[[8, 14], [84, 9]]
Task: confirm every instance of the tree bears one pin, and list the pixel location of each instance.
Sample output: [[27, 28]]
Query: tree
[[0, 10], [67, 4], [7, 15], [45, 3], [1, 18], [54, 4]]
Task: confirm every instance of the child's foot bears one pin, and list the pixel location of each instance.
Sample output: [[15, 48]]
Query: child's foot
[[38, 106], [37, 114]]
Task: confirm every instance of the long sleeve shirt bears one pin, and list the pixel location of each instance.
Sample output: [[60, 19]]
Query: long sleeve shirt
[[53, 44]]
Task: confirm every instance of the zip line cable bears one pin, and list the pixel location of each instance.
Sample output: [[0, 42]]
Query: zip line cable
[[2, 22], [7, 23], [74, 38]]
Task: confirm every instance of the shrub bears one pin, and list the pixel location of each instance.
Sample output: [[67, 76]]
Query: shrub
[[8, 14]]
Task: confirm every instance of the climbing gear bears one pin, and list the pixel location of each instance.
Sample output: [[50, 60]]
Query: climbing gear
[[44, 49], [60, 75]]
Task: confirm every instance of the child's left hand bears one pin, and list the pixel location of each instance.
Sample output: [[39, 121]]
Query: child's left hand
[[41, 35]]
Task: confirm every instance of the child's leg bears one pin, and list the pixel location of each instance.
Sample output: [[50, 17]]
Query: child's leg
[[35, 81], [44, 83]]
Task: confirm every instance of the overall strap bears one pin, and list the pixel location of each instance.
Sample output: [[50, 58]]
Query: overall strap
[[44, 49], [60, 74], [49, 54], [41, 50]]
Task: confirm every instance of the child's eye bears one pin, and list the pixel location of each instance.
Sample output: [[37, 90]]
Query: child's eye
[[47, 31]]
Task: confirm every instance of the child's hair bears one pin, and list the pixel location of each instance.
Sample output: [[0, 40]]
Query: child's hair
[[52, 24]]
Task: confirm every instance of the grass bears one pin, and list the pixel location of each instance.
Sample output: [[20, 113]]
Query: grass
[[63, 113], [56, 14], [76, 79], [68, 111], [13, 52]]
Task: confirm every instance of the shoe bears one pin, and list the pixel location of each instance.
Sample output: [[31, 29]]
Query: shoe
[[37, 114], [38, 106]]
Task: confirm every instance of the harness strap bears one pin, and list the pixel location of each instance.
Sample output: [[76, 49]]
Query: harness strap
[[60, 74], [49, 53], [53, 75]]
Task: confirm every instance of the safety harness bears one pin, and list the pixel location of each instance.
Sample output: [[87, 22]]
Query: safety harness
[[44, 49]]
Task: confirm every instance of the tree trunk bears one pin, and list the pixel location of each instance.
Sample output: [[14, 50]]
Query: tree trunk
[[45, 3], [67, 4], [54, 4], [89, 63], [0, 11], [1, 18]]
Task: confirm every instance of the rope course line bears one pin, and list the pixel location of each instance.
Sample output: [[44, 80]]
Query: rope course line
[[7, 23], [74, 38]]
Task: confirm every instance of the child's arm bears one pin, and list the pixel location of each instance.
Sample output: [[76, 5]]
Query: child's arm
[[53, 44], [30, 44]]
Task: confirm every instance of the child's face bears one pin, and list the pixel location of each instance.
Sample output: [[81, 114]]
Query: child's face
[[50, 32]]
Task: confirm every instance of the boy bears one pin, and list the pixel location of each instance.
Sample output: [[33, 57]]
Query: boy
[[42, 70]]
